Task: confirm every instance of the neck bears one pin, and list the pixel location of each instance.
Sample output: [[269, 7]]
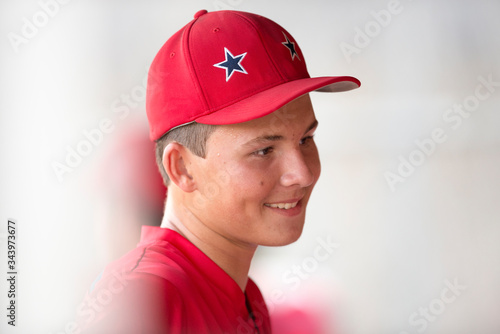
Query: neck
[[233, 258]]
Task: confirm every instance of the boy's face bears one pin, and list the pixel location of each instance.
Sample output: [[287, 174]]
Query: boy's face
[[256, 179]]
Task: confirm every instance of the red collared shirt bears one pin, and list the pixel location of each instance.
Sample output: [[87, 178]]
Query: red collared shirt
[[167, 285]]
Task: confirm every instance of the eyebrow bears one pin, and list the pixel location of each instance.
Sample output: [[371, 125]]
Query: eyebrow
[[268, 138]]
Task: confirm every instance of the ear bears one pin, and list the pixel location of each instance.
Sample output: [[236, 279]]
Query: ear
[[174, 161]]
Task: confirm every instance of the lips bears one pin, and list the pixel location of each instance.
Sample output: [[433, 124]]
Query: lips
[[284, 206]]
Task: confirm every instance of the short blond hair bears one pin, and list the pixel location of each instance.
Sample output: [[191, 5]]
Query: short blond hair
[[193, 136]]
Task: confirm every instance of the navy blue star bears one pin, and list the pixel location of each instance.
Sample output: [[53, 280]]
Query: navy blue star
[[232, 64], [291, 47]]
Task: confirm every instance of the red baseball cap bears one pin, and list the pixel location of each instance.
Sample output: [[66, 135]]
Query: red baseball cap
[[227, 67]]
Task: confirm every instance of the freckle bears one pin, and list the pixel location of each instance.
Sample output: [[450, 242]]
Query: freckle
[[261, 183]]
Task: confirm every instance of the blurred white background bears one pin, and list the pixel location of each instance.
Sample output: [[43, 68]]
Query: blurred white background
[[398, 246]]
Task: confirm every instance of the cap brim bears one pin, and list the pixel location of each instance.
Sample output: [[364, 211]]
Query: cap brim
[[270, 100]]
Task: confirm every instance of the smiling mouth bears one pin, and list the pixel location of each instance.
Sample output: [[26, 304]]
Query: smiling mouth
[[283, 206]]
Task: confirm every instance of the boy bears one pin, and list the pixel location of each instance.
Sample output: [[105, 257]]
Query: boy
[[229, 109]]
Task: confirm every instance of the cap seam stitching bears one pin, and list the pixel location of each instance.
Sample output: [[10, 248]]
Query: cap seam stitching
[[193, 72], [276, 68]]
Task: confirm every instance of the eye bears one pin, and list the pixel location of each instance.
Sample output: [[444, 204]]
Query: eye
[[306, 140], [264, 151]]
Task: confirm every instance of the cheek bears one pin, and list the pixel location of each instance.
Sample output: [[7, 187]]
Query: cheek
[[318, 167], [314, 163], [250, 182]]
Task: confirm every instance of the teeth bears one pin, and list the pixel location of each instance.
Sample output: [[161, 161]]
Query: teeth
[[284, 206]]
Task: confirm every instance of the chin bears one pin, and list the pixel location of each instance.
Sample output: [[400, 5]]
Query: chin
[[282, 238]]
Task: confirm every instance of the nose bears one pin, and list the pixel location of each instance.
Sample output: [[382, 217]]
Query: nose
[[299, 169]]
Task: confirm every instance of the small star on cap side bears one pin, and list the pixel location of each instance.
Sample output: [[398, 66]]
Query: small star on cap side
[[291, 47]]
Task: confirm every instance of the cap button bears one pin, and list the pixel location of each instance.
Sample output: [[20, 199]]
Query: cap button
[[200, 13]]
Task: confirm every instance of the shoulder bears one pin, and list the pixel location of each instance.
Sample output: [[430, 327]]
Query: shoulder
[[139, 293], [157, 259], [140, 304]]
